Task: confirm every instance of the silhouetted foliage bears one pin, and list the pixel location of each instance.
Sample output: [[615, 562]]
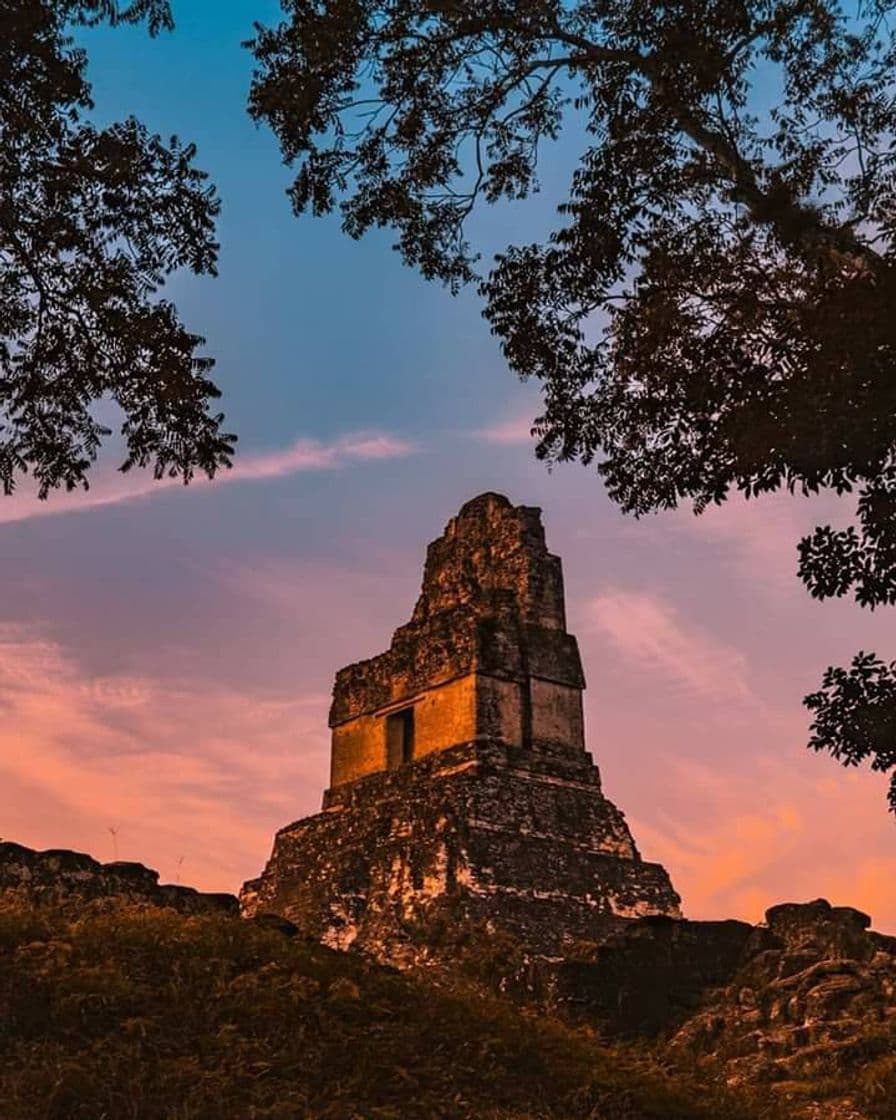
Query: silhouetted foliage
[[715, 311], [855, 715], [91, 221]]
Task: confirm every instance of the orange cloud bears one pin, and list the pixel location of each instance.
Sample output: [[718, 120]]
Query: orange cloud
[[737, 843], [193, 777]]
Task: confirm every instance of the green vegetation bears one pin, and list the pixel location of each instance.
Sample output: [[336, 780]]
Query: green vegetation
[[124, 1012]]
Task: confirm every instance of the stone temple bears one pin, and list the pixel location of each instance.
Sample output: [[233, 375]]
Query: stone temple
[[460, 786]]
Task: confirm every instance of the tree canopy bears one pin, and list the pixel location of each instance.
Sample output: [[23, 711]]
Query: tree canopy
[[714, 311], [92, 220]]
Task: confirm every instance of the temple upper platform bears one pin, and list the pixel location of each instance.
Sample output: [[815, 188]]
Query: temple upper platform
[[485, 656]]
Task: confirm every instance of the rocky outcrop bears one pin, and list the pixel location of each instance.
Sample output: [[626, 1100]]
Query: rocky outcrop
[[647, 975], [815, 997], [61, 876], [800, 1010], [809, 974]]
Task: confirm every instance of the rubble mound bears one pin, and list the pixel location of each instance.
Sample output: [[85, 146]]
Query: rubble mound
[[60, 876], [812, 1005]]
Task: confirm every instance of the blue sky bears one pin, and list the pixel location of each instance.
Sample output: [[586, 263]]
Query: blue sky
[[298, 311]]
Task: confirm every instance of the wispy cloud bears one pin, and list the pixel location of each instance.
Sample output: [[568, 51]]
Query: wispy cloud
[[314, 455], [648, 631], [761, 536], [115, 488], [514, 431]]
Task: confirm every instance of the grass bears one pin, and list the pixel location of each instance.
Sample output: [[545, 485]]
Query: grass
[[123, 1012]]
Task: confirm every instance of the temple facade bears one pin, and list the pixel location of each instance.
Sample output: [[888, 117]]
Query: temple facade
[[460, 784]]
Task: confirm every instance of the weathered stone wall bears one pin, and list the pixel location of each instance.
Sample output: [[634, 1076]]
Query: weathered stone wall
[[808, 994], [452, 645], [357, 748], [557, 715], [492, 546], [816, 994], [60, 875], [472, 707], [447, 712], [520, 838], [500, 710], [647, 976]]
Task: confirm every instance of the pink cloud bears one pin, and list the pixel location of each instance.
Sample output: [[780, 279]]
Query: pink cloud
[[512, 432], [115, 488], [313, 455], [648, 632]]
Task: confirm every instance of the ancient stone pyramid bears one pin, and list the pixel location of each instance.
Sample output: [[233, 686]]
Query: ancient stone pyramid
[[460, 784]]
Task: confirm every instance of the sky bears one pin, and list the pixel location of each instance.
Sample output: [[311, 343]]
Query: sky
[[167, 653]]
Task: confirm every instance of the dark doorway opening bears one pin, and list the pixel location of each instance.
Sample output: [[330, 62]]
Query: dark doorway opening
[[399, 738]]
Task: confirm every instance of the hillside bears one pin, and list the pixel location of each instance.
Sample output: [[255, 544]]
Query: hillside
[[125, 999], [123, 1011]]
